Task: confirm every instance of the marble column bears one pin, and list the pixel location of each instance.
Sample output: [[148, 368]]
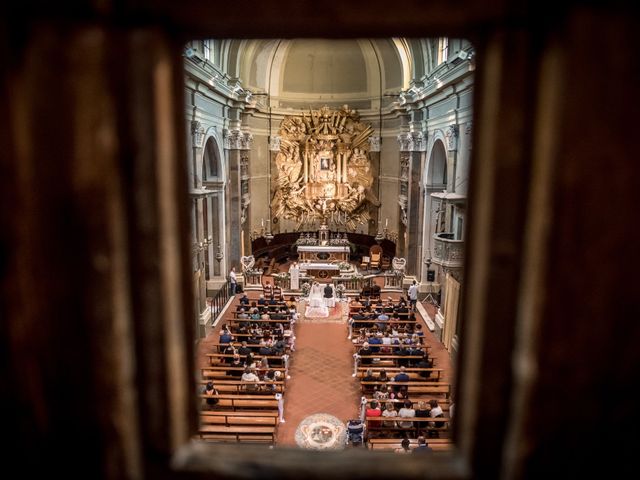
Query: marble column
[[412, 146], [238, 143]]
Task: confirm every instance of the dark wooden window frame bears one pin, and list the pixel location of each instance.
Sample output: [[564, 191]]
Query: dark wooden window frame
[[96, 275]]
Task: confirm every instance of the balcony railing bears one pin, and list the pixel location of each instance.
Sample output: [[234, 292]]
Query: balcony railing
[[447, 251]]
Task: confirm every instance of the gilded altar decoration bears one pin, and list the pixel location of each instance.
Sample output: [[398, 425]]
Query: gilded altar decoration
[[323, 169]]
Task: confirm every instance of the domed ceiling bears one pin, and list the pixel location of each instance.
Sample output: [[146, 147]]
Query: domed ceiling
[[299, 72]]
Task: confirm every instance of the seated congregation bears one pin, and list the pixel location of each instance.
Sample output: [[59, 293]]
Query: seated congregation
[[405, 403]]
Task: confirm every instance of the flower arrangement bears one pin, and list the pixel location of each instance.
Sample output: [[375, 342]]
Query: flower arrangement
[[398, 273], [306, 241], [344, 266], [340, 289], [338, 241], [281, 275], [305, 288], [352, 276]]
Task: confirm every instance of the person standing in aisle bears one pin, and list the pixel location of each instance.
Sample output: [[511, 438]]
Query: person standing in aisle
[[413, 295], [233, 281]]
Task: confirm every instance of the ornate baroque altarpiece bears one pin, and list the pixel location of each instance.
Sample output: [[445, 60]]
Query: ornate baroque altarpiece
[[324, 172]]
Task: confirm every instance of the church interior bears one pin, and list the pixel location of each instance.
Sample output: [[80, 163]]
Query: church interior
[[268, 251], [329, 178]]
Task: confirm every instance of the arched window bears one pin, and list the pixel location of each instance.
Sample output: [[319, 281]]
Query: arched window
[[437, 174], [211, 160]]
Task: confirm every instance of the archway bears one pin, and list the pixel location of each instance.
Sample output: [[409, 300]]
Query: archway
[[435, 179]]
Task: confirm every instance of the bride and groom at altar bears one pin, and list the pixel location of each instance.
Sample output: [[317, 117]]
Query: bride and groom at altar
[[321, 298]]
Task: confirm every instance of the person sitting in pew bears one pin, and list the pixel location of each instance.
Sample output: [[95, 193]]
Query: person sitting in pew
[[401, 376], [291, 303], [424, 363], [402, 352], [225, 336], [263, 367], [405, 446], [374, 341], [422, 411], [389, 412], [374, 411], [422, 447], [365, 350], [406, 411], [369, 376], [249, 376], [280, 345], [209, 389], [435, 412], [244, 300], [237, 362], [262, 301], [229, 350], [403, 393]]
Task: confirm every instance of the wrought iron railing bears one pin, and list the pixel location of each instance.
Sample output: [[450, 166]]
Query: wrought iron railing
[[219, 300]]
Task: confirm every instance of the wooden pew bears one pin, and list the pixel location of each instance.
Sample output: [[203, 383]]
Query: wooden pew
[[238, 433], [232, 322], [413, 387], [413, 372], [238, 386], [441, 428], [385, 360], [228, 418], [218, 358], [221, 371], [421, 346], [254, 347], [415, 399], [436, 444], [244, 401]]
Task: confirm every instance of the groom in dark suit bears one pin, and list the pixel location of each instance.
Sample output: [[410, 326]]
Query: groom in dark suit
[[328, 291]]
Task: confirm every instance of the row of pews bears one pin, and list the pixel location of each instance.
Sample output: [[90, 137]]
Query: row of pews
[[425, 382], [248, 412]]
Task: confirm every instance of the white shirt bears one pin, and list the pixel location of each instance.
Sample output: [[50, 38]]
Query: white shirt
[[233, 277], [413, 292], [250, 377], [435, 411], [406, 413]]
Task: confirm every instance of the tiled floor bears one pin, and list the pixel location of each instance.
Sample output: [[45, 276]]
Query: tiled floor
[[321, 369], [321, 380]]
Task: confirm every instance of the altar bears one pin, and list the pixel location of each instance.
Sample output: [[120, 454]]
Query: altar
[[319, 269], [323, 253]]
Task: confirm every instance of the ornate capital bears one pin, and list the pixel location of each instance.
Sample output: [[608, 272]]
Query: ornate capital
[[404, 140], [197, 133], [374, 144], [451, 135], [246, 139], [237, 140], [412, 142]]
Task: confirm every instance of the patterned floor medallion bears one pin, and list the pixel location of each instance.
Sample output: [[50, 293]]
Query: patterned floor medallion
[[321, 431]]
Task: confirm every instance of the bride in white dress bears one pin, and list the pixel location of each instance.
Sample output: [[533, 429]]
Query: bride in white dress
[[316, 295], [316, 307]]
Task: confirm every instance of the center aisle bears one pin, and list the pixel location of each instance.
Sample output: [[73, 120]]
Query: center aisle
[[321, 380]]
